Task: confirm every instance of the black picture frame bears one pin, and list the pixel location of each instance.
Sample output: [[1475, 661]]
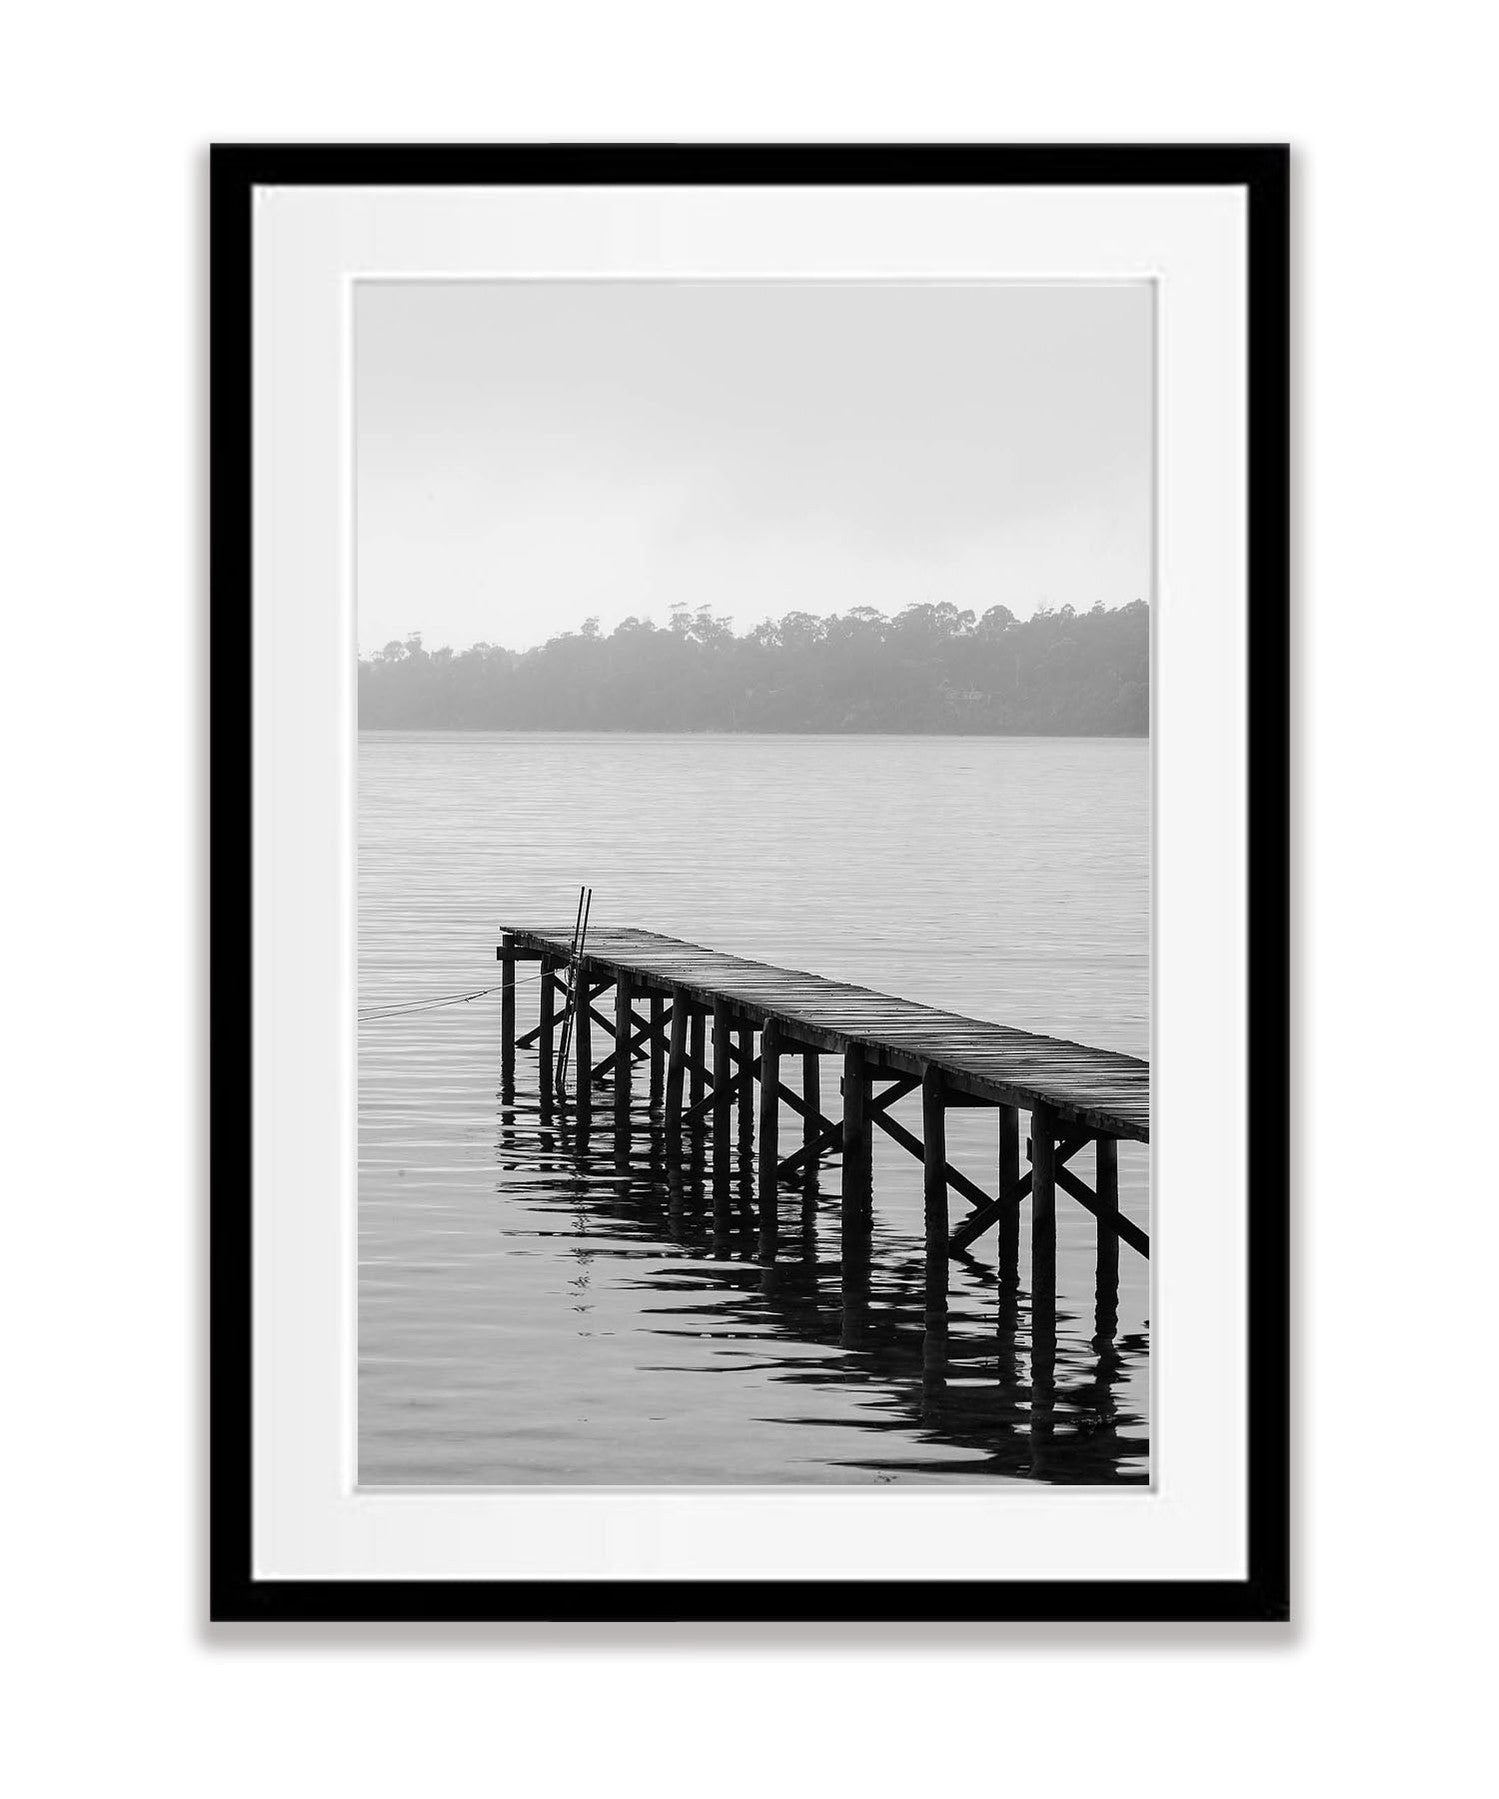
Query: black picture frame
[[1262, 172]]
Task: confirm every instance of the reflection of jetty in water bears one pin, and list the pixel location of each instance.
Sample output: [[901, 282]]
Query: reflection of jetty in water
[[991, 1382]]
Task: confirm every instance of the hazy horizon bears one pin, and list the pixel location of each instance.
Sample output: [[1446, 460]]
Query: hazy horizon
[[533, 454]]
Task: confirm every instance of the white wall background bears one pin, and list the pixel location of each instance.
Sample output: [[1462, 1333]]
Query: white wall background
[[116, 1683]]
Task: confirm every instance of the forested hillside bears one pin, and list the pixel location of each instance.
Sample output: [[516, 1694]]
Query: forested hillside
[[932, 668]]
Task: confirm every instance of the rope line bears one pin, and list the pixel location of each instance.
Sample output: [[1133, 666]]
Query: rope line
[[403, 1007]]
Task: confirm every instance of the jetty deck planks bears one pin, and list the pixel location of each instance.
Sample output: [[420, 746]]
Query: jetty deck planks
[[1107, 1092]]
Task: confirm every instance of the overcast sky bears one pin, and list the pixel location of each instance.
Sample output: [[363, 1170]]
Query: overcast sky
[[533, 453]]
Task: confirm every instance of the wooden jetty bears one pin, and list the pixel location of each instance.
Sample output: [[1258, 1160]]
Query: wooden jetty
[[666, 995]]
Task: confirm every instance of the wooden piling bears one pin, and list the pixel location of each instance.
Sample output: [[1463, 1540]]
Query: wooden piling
[[676, 1067], [934, 1190], [811, 1117], [746, 1106], [697, 1085], [812, 1127], [582, 1044], [1009, 1177], [770, 1154], [722, 1105], [855, 1213], [723, 1113], [507, 1009], [658, 1048], [1106, 1186], [623, 1061], [1043, 1283], [1043, 1206], [548, 1003], [1106, 1294], [858, 1139]]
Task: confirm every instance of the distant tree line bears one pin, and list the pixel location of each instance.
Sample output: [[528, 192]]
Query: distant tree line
[[931, 668]]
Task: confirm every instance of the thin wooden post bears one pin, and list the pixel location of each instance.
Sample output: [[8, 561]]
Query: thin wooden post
[[544, 1031], [746, 1087], [1043, 1200], [812, 1127], [623, 1025], [858, 1139], [699, 1031], [675, 1068], [1106, 1186], [507, 1009], [582, 1044], [1009, 1176], [770, 1119], [934, 1189], [658, 1049], [855, 1217], [723, 1115], [1043, 1269], [812, 1117]]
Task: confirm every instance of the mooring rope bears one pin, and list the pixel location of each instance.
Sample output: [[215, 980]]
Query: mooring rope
[[402, 1007]]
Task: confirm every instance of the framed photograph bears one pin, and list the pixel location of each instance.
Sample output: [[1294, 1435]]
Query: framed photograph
[[749, 718]]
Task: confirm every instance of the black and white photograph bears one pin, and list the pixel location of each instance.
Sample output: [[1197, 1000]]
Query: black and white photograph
[[754, 821], [765, 1010]]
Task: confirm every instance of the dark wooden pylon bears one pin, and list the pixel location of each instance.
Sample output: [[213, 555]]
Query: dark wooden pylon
[[1106, 1185], [746, 1109], [623, 1062], [934, 1193], [676, 1068], [1009, 1179], [658, 1048], [1044, 1166], [1043, 1203], [811, 1116], [697, 1066], [858, 1144], [507, 1010], [723, 1100], [858, 1199], [582, 1016], [770, 1119], [544, 1029]]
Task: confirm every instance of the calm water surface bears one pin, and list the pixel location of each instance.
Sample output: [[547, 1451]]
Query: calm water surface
[[540, 1306]]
